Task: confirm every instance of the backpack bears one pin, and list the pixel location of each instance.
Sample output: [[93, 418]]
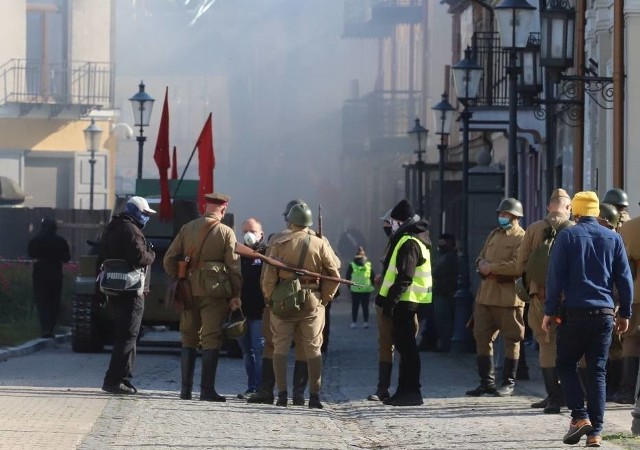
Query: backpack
[[538, 263]]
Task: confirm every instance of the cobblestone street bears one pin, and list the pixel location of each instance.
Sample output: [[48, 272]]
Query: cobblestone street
[[52, 399]]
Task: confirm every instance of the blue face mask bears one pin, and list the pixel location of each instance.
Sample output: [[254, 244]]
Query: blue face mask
[[505, 223], [136, 214]]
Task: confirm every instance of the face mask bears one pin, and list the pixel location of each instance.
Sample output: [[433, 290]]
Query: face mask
[[251, 238], [387, 231], [137, 215], [395, 225], [505, 223]]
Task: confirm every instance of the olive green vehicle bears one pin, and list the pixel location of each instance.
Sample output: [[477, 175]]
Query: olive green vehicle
[[92, 316]]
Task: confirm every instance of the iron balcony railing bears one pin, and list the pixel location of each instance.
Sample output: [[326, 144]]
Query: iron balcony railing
[[71, 83], [494, 84]]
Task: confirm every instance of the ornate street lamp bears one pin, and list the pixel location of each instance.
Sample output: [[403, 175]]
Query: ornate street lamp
[[420, 134], [92, 135], [557, 23], [466, 77], [142, 104], [530, 83], [442, 119], [514, 20]]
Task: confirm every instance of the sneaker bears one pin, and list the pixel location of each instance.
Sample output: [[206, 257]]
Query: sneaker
[[353, 325], [593, 441], [365, 325], [577, 429], [118, 389]]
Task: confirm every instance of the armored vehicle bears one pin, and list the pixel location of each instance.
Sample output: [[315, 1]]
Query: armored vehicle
[[92, 317]]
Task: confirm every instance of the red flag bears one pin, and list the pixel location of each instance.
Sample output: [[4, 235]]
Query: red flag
[[162, 159], [206, 162], [174, 165]]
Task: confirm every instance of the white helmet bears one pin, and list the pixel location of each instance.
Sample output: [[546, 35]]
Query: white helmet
[[142, 204]]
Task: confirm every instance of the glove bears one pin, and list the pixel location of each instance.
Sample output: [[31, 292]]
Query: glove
[[386, 304]]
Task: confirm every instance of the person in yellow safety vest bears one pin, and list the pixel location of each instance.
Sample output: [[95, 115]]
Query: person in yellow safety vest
[[360, 272], [405, 285]]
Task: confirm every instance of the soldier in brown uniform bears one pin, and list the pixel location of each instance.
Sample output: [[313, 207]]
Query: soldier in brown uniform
[[309, 321], [497, 308], [559, 210], [619, 199], [630, 233], [215, 280]]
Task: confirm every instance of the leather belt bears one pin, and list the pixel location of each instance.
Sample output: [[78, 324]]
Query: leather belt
[[582, 313], [502, 278]]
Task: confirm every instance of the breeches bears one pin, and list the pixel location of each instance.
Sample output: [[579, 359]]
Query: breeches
[[489, 320], [546, 341], [202, 322], [308, 327], [268, 339]]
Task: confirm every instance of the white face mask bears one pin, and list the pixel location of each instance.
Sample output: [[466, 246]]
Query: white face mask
[[251, 238], [395, 225]]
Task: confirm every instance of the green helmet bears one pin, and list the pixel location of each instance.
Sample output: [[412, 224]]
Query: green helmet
[[521, 290], [610, 214], [297, 201], [616, 197], [300, 215], [512, 206], [236, 325]]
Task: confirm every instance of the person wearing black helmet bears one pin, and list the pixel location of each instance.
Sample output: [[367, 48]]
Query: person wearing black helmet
[[50, 250], [123, 239], [619, 199]]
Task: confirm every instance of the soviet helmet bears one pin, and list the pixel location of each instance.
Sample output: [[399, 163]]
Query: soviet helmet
[[610, 214], [521, 290], [300, 215], [512, 206], [616, 197], [236, 325], [292, 203]]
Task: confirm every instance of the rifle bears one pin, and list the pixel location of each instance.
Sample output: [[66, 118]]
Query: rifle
[[319, 221], [248, 252]]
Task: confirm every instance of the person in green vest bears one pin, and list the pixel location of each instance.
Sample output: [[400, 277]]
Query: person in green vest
[[406, 284], [360, 272]]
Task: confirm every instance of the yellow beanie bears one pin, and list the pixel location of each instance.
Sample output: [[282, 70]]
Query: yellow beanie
[[585, 204]]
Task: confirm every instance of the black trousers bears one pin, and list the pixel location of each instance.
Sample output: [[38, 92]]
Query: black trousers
[[358, 299], [127, 319], [404, 339], [46, 292]]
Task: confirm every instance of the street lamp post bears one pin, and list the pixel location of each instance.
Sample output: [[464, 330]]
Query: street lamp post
[[514, 18], [92, 135], [142, 104], [466, 77], [420, 133], [442, 119]]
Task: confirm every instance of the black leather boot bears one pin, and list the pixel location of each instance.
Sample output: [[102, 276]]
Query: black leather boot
[[282, 398], [314, 401], [614, 378], [487, 378], [384, 381], [554, 391], [300, 379], [188, 365], [626, 394], [265, 394], [208, 381], [522, 372], [509, 369]]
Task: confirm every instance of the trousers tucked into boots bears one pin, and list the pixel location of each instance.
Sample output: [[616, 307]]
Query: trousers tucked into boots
[[509, 369], [555, 395], [384, 382], [188, 365], [300, 379], [268, 381], [208, 379], [487, 378]]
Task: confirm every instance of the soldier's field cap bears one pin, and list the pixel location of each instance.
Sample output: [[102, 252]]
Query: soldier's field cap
[[559, 193], [217, 198]]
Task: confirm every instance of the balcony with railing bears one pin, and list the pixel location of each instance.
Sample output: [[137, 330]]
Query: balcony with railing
[[81, 84]]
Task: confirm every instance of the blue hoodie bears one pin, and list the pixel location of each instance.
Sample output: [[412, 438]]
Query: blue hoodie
[[586, 261]]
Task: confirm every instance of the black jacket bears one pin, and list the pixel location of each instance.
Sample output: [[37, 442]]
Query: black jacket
[[252, 298], [123, 239], [409, 256], [50, 250], [445, 274]]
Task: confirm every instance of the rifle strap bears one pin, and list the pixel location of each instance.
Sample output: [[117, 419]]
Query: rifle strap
[[204, 234], [305, 250]]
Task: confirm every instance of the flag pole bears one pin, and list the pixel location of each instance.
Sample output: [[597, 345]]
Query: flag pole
[[184, 172]]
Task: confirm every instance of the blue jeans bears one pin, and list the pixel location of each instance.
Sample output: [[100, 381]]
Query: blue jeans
[[589, 336], [252, 345]]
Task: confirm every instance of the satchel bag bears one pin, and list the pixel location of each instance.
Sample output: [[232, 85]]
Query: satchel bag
[[215, 279], [179, 294], [287, 297], [117, 277]]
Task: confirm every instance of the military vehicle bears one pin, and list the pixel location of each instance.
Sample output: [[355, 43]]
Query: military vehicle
[[92, 317]]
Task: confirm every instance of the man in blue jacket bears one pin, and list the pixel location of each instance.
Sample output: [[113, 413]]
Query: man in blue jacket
[[587, 260]]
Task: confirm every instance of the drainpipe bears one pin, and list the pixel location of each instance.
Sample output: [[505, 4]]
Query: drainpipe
[[618, 94]]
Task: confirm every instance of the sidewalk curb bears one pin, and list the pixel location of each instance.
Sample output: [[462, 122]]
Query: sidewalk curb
[[32, 346]]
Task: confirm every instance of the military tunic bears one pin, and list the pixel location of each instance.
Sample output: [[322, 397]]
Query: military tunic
[[201, 321], [533, 238], [630, 233], [497, 307]]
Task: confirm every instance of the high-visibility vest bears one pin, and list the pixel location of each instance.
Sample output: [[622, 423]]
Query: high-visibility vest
[[420, 289], [361, 274]]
